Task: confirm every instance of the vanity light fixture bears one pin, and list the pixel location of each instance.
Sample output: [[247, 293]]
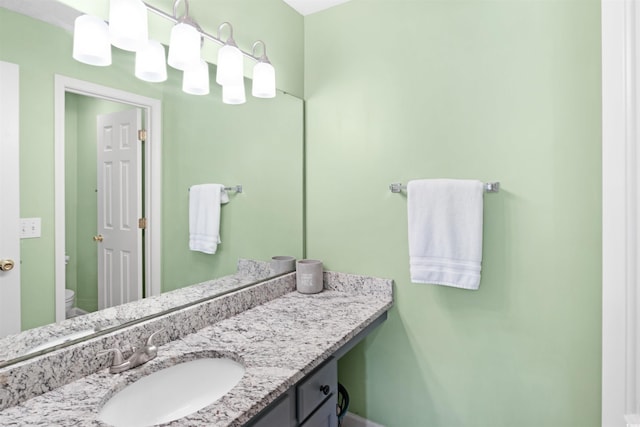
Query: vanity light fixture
[[128, 30], [184, 47], [185, 40], [196, 80], [91, 43], [264, 75], [234, 94], [128, 27], [229, 72], [150, 63]]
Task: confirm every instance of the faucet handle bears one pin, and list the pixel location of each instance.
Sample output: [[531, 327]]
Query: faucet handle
[[150, 339], [118, 364], [118, 359]]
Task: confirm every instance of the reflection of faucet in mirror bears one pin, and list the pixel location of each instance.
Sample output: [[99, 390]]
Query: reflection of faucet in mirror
[[140, 356]]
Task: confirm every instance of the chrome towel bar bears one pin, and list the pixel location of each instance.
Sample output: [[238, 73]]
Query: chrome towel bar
[[489, 187], [235, 188]]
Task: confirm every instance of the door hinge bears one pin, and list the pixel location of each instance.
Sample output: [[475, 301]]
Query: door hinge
[[142, 135], [142, 223]]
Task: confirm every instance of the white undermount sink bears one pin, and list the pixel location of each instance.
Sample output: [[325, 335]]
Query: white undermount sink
[[172, 393]]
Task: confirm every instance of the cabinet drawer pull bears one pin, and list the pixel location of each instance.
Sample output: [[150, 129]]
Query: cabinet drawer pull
[[325, 389]]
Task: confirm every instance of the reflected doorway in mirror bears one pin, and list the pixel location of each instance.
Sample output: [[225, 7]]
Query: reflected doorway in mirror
[[152, 181]]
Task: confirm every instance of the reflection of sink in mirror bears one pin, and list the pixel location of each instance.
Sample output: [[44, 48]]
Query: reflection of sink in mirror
[[60, 340], [172, 393]]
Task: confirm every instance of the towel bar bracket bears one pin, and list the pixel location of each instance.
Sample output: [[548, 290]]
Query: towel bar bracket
[[236, 188], [397, 187], [492, 187]]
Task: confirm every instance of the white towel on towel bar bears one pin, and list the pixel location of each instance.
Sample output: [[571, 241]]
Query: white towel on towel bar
[[445, 231], [204, 216]]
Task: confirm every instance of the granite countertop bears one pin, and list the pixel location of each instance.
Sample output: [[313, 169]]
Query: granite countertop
[[278, 342]]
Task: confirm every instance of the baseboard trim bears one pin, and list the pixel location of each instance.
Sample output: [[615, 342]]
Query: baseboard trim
[[352, 420]]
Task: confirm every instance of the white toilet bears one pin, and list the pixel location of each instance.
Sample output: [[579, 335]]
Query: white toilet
[[69, 300]]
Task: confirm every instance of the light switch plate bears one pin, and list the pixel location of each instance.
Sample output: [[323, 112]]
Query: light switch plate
[[30, 228]]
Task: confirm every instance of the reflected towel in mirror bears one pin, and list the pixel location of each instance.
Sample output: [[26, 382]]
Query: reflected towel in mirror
[[204, 216]]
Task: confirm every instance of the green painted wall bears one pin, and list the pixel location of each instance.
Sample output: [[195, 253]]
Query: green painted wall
[[258, 144], [503, 91]]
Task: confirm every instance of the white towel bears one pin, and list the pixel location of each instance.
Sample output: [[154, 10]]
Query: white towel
[[204, 216], [445, 231]]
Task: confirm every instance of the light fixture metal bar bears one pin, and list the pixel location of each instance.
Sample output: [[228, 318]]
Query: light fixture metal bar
[[204, 34]]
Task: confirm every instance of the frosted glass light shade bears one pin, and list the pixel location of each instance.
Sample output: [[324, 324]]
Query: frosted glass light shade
[[264, 80], [184, 47], [233, 94], [196, 81], [128, 27], [150, 63], [91, 41], [229, 71]]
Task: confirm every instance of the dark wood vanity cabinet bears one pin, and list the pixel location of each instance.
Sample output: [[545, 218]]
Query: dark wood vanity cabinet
[[310, 403]]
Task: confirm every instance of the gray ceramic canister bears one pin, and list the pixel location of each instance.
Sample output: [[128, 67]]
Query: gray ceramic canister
[[309, 276], [282, 264]]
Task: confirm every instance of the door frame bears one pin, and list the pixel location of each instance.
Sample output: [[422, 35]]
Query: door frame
[[10, 298], [152, 178], [620, 211]]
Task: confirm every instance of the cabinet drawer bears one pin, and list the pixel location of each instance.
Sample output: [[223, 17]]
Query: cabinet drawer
[[279, 414], [316, 388], [325, 416]]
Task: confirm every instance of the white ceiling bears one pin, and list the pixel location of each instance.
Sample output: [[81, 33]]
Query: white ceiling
[[307, 7], [61, 15], [50, 11]]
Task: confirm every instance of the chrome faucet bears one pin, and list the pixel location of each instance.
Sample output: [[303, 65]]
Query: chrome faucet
[[139, 357]]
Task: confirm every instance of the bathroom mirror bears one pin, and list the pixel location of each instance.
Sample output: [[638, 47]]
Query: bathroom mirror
[[257, 145]]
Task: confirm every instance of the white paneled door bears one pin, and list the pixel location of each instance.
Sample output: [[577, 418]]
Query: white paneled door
[[10, 200], [119, 237]]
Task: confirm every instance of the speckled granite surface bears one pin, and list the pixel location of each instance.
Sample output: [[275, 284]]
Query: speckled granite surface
[[248, 271], [279, 342], [24, 380]]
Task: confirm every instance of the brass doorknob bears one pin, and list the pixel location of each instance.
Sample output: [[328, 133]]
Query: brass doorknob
[[7, 264], [98, 238]]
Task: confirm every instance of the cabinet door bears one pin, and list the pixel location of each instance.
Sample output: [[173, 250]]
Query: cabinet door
[[279, 414], [325, 416], [315, 388]]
